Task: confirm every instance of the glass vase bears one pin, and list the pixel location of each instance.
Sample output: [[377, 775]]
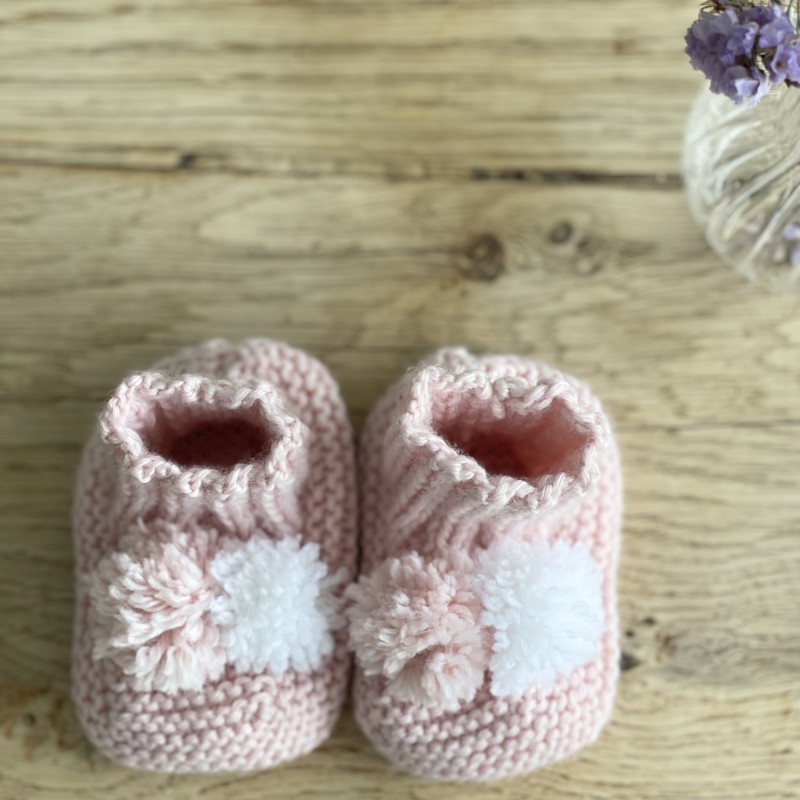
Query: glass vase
[[741, 168]]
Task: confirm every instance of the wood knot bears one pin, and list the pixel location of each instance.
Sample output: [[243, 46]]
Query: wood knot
[[561, 232], [186, 161], [484, 258], [628, 662]]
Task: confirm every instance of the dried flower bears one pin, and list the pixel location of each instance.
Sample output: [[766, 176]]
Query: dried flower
[[791, 233], [744, 48], [785, 64]]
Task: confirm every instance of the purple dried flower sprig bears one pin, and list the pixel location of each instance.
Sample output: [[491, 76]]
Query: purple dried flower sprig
[[744, 48], [791, 233]]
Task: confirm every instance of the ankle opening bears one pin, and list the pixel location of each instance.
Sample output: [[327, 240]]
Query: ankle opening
[[202, 436], [508, 438]]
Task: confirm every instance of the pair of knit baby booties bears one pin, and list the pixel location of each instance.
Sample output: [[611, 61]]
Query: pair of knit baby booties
[[216, 533]]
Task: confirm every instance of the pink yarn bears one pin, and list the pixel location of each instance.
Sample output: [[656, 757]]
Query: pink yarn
[[219, 442], [461, 452], [151, 603], [417, 624]]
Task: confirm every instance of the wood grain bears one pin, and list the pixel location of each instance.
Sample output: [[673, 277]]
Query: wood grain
[[371, 180], [319, 86]]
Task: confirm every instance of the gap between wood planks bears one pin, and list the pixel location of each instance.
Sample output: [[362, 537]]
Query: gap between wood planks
[[194, 162]]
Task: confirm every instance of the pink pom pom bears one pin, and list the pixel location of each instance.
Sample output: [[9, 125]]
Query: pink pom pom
[[418, 625], [150, 608]]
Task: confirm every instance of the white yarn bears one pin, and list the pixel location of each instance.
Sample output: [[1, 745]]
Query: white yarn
[[545, 605], [277, 606]]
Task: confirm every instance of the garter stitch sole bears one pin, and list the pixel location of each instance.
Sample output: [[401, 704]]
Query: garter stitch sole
[[242, 720], [422, 492]]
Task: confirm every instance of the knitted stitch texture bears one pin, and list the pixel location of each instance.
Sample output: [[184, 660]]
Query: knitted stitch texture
[[244, 452], [471, 464]]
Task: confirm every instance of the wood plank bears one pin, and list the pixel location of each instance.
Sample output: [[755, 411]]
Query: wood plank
[[413, 88], [108, 271]]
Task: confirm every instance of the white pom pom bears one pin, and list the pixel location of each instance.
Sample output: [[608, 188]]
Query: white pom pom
[[545, 605], [277, 605]]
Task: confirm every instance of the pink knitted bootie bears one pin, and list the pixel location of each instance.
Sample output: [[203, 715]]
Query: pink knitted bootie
[[484, 623], [215, 530]]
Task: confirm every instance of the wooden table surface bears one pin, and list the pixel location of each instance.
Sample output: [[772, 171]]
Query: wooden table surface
[[371, 179]]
